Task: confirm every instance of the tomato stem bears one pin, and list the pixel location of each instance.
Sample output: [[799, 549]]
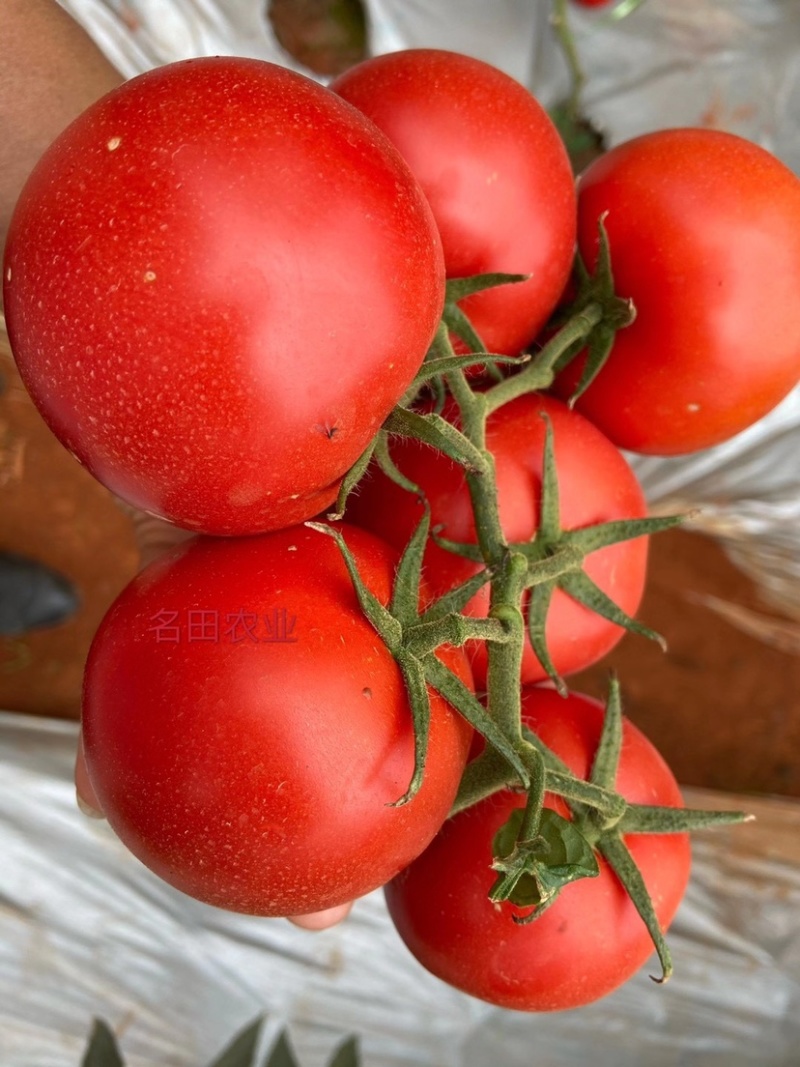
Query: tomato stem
[[563, 31], [539, 374]]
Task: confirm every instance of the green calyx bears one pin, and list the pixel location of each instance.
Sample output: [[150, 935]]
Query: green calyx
[[539, 852], [556, 560], [412, 637]]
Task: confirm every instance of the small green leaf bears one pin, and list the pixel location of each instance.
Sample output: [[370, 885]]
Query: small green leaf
[[281, 1054], [242, 1050], [102, 1050], [347, 1054]]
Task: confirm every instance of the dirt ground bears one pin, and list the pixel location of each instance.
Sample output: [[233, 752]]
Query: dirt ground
[[723, 707]]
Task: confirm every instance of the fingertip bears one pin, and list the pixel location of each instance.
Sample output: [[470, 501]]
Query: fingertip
[[85, 795], [321, 920]]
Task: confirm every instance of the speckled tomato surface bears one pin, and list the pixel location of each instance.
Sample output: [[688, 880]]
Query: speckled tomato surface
[[247, 732], [218, 281], [495, 171]]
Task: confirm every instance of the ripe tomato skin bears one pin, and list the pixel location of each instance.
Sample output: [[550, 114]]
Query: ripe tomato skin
[[704, 230], [495, 171], [595, 485], [218, 282], [256, 775], [591, 939]]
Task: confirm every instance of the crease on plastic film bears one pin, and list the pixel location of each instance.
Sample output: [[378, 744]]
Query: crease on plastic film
[[86, 930]]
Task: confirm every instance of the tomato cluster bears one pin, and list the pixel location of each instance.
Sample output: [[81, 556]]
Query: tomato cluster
[[232, 294]]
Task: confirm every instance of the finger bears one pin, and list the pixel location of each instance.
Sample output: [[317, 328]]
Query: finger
[[84, 794], [321, 920]]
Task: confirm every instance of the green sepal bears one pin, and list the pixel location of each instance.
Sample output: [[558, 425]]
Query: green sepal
[[653, 819], [538, 607], [609, 747], [352, 478], [383, 458], [598, 350], [457, 598], [448, 685], [440, 434], [458, 548], [616, 853], [540, 869], [404, 604], [549, 507], [434, 368], [419, 703], [241, 1051], [380, 617], [282, 1054], [617, 312], [102, 1050], [590, 538], [457, 289], [581, 588]]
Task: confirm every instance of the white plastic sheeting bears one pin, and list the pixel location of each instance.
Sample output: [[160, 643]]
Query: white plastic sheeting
[[86, 930]]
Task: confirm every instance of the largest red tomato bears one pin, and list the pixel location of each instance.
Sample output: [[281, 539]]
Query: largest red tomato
[[247, 732], [218, 282], [704, 230], [495, 171]]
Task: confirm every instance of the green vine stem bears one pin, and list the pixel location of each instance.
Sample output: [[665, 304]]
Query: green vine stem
[[577, 76]]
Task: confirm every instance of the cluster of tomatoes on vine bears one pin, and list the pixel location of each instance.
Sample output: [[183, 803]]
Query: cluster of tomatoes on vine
[[245, 301]]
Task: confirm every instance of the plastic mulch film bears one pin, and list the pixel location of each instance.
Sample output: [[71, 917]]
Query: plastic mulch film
[[86, 930]]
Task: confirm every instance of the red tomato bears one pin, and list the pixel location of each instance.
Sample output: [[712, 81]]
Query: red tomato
[[218, 282], [494, 170], [246, 731], [593, 3], [704, 230], [595, 485], [591, 939]]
